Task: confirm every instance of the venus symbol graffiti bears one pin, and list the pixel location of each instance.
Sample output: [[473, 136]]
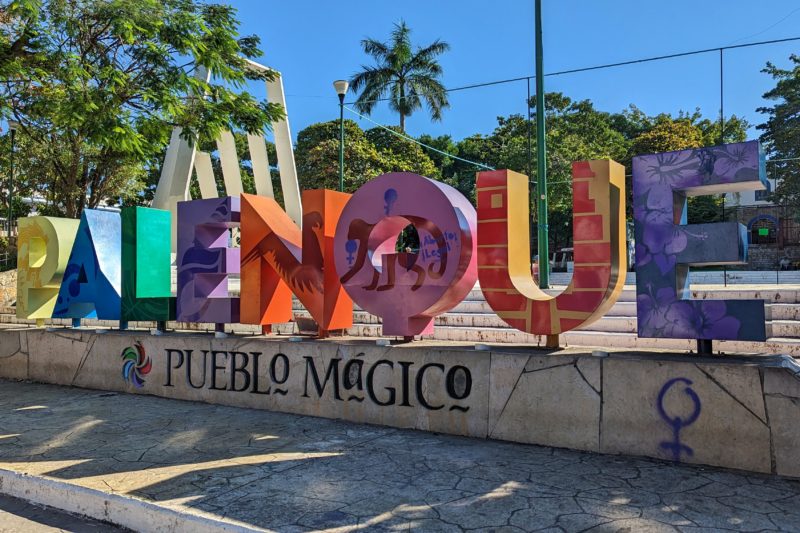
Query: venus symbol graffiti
[[677, 420]]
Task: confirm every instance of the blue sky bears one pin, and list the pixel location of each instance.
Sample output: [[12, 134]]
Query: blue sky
[[314, 42]]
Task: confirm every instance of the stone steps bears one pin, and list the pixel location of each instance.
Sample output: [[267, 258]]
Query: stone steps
[[734, 278], [606, 324], [789, 311], [715, 277], [600, 339], [621, 318], [785, 311], [775, 294], [473, 320], [784, 328]]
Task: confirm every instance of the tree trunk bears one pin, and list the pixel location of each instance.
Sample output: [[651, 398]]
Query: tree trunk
[[401, 107]]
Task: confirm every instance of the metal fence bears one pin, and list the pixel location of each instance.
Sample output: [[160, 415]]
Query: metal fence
[[8, 246], [773, 233]]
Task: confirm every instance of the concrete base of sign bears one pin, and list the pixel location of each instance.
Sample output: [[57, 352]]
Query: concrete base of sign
[[736, 412]]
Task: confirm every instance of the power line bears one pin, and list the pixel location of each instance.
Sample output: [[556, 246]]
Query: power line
[[765, 30], [672, 56], [718, 49], [409, 138], [606, 65]]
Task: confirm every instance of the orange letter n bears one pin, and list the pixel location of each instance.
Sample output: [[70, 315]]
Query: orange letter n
[[279, 259]]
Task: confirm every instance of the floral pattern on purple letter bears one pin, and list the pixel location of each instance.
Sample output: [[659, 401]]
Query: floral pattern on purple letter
[[666, 246]]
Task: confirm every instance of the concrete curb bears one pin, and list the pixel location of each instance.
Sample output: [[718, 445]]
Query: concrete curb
[[125, 511]]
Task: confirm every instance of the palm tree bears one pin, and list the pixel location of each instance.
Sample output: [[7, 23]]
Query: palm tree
[[407, 76]]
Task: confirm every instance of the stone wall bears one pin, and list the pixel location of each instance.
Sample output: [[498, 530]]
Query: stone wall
[[766, 256], [8, 288], [735, 412]]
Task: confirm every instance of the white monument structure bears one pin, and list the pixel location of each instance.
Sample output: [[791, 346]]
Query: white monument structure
[[182, 157]]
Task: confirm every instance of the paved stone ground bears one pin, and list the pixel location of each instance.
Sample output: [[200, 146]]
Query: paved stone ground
[[293, 473], [18, 516]]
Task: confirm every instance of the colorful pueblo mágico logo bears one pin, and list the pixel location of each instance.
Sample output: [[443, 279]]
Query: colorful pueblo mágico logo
[[119, 266], [135, 364]]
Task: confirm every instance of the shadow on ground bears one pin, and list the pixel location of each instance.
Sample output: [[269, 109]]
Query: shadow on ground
[[295, 473]]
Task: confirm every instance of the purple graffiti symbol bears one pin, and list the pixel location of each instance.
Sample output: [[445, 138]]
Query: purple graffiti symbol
[[677, 423], [351, 246], [390, 197]]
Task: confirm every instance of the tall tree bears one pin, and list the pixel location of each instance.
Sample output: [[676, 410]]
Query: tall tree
[[366, 155], [401, 154], [781, 135], [408, 76], [317, 157], [99, 84]]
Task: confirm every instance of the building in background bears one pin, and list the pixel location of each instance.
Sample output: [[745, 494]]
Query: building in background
[[773, 230]]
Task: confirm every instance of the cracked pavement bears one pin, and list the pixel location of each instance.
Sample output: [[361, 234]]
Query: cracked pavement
[[297, 473]]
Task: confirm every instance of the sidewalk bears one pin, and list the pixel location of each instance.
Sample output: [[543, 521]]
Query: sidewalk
[[291, 473], [21, 516]]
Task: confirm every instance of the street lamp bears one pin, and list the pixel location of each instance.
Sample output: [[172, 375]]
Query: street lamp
[[12, 128], [341, 90], [541, 154]]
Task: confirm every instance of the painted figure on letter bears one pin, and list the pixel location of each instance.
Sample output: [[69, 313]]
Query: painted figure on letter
[[205, 259], [279, 259], [92, 282], [406, 288]]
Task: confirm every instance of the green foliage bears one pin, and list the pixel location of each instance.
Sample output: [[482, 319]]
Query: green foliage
[[407, 76], [577, 131], [317, 157], [666, 136], [781, 135], [663, 133], [462, 175], [97, 86], [704, 209], [443, 143], [366, 155], [401, 154]]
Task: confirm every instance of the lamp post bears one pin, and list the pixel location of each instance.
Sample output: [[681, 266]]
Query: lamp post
[[341, 90], [541, 157], [12, 128]]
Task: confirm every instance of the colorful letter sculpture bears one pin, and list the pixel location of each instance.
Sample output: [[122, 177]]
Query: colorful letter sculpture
[[92, 281], [666, 247], [44, 244], [279, 259], [504, 264], [146, 290], [406, 289], [205, 259]]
